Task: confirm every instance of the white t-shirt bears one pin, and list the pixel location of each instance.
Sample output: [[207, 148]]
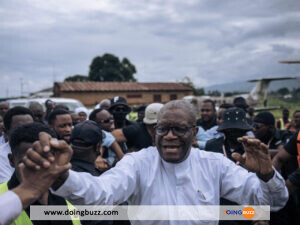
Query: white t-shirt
[[5, 169]]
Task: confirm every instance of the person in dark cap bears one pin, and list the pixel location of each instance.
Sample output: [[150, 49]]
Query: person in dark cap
[[266, 132], [264, 129], [233, 126], [86, 139], [119, 109], [240, 102]]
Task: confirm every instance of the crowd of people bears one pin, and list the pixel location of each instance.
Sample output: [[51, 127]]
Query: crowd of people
[[168, 156]]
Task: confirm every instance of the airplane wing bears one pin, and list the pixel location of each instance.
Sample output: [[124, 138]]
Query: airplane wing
[[290, 61], [261, 109], [274, 78]]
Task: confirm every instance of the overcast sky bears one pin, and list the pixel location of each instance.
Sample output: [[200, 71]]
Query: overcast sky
[[211, 41]]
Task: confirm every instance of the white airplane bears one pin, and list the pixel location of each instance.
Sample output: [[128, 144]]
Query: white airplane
[[257, 95]]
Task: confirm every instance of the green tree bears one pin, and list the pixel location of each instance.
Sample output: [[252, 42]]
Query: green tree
[[77, 77], [214, 93], [109, 68]]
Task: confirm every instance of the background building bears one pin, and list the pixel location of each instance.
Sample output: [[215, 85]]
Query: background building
[[89, 93]]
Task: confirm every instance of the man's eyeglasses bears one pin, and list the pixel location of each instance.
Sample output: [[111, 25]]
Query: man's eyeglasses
[[178, 131], [107, 120]]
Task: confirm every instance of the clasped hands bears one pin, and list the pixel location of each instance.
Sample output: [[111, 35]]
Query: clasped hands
[[45, 164]]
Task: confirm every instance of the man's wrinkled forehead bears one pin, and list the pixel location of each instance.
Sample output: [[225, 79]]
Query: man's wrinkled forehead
[[180, 107]]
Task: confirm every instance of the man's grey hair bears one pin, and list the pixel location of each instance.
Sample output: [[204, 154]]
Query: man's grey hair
[[181, 104]]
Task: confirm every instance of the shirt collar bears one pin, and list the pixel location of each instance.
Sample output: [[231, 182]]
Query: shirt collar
[[182, 165]]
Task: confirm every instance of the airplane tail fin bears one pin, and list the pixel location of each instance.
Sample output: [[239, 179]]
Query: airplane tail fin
[[260, 91]]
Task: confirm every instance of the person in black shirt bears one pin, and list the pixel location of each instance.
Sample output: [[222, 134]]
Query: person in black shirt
[[208, 115], [287, 152], [86, 141], [140, 135], [286, 162], [264, 130], [293, 182], [119, 109]]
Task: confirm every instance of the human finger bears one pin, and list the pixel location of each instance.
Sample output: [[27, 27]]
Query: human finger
[[37, 158], [60, 145], [44, 139], [264, 148], [252, 145], [64, 168], [238, 157], [245, 138], [38, 147], [30, 164]]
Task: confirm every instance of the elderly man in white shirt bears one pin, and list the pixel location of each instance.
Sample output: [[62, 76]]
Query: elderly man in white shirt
[[172, 173]]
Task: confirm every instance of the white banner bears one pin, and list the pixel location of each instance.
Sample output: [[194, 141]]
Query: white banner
[[153, 212]]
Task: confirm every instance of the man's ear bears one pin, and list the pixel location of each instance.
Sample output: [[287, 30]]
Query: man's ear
[[11, 160]]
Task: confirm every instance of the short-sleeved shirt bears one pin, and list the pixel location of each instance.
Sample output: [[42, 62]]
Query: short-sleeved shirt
[[137, 136], [281, 137], [108, 139], [206, 125]]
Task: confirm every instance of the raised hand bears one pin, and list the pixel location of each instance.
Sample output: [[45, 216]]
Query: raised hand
[[256, 157], [48, 153]]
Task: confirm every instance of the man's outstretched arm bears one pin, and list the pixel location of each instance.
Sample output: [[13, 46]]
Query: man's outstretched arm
[[113, 187]]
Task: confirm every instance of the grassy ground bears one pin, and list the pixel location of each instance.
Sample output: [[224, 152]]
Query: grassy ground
[[275, 100]]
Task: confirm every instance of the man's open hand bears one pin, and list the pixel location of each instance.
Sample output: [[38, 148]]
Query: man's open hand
[[256, 157]]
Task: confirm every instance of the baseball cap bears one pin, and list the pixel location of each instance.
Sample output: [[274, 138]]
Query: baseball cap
[[87, 131], [265, 118], [240, 102], [151, 112], [115, 101]]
